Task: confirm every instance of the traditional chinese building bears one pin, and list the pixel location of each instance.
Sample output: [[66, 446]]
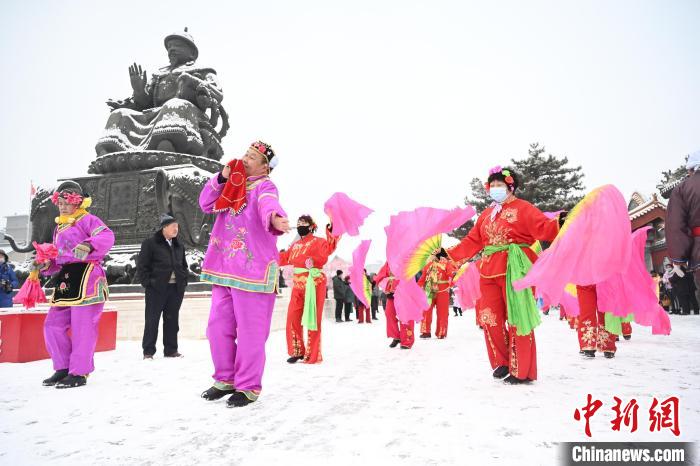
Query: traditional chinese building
[[650, 212]]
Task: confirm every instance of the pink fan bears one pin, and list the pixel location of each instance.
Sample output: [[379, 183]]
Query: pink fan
[[45, 251], [31, 294], [632, 290], [467, 285], [346, 214], [406, 232], [594, 243], [357, 272], [410, 301]]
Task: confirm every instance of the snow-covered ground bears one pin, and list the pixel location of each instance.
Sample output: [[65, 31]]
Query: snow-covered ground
[[365, 404]]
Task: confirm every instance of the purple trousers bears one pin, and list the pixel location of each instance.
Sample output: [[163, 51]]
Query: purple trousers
[[239, 324], [74, 352]]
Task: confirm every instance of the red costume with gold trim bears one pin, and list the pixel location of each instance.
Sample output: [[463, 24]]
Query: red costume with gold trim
[[395, 329], [437, 276], [591, 331], [518, 222], [309, 252]]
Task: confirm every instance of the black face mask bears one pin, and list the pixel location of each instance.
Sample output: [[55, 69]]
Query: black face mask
[[303, 230]]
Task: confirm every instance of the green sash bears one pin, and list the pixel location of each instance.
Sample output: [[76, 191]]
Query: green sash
[[613, 323], [522, 309], [308, 318]]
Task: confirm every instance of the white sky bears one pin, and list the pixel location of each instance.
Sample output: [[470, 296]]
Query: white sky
[[399, 104]]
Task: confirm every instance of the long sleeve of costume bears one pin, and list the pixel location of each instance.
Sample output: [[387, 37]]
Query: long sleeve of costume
[[678, 238], [470, 245], [331, 242], [382, 274], [424, 275], [268, 207], [210, 193], [284, 258], [99, 237], [539, 226]]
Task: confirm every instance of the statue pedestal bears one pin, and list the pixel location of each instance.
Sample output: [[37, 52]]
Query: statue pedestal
[[131, 202]]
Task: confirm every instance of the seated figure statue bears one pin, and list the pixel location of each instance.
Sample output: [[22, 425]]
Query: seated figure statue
[[169, 113]]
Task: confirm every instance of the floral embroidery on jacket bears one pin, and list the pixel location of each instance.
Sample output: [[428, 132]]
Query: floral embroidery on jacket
[[510, 215], [497, 235], [230, 249]]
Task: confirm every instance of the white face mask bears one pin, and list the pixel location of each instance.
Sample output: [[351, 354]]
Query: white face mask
[[498, 193]]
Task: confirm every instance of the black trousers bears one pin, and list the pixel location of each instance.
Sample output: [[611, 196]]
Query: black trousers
[[374, 306], [348, 311], [339, 304], [168, 303]]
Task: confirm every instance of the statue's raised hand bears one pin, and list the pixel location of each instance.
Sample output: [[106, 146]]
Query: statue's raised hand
[[138, 78]]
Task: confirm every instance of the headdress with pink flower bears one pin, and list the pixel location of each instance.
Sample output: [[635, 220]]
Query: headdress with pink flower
[[505, 174]]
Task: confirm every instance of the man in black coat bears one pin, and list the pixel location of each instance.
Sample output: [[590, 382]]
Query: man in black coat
[[162, 269], [339, 295]]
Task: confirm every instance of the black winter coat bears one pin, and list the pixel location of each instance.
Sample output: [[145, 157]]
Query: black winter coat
[[157, 261]]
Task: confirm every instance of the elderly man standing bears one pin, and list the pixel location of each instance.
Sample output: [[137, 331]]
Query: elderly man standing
[[242, 264], [683, 220], [162, 269]]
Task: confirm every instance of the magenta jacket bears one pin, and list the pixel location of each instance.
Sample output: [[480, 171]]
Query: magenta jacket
[[242, 250]]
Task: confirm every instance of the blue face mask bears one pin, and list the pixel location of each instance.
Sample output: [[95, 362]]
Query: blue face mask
[[498, 193]]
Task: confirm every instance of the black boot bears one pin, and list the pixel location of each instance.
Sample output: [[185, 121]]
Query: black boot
[[512, 380], [394, 342], [294, 359], [500, 372], [404, 347], [588, 353], [609, 354], [425, 335], [240, 399], [72, 381], [626, 337], [55, 378], [215, 393]]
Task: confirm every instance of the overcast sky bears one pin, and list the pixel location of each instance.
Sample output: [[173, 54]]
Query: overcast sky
[[399, 104]]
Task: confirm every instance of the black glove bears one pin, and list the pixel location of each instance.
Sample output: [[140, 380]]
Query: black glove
[[441, 254], [562, 217]]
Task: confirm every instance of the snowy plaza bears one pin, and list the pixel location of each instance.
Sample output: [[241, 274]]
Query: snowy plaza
[[366, 403], [361, 232]]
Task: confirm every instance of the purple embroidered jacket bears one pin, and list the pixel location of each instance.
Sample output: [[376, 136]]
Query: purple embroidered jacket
[[91, 230], [242, 250]]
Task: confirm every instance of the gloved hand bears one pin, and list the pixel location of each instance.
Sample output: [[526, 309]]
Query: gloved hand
[[562, 217], [81, 251], [678, 271]]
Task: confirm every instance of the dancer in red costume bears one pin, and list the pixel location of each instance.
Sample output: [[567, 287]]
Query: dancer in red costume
[[504, 232], [399, 332], [437, 280], [308, 255]]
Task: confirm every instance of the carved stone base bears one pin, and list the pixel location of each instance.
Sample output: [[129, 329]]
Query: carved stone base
[[131, 202], [116, 162]]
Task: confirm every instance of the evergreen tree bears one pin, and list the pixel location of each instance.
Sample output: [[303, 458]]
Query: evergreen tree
[[547, 181]]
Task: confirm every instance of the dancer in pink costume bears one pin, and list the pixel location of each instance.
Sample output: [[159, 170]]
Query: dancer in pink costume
[[82, 241], [242, 264]]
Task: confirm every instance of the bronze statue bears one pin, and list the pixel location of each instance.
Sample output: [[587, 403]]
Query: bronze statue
[[169, 113]]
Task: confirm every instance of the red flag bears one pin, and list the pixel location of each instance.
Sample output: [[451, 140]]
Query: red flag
[[32, 190]]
